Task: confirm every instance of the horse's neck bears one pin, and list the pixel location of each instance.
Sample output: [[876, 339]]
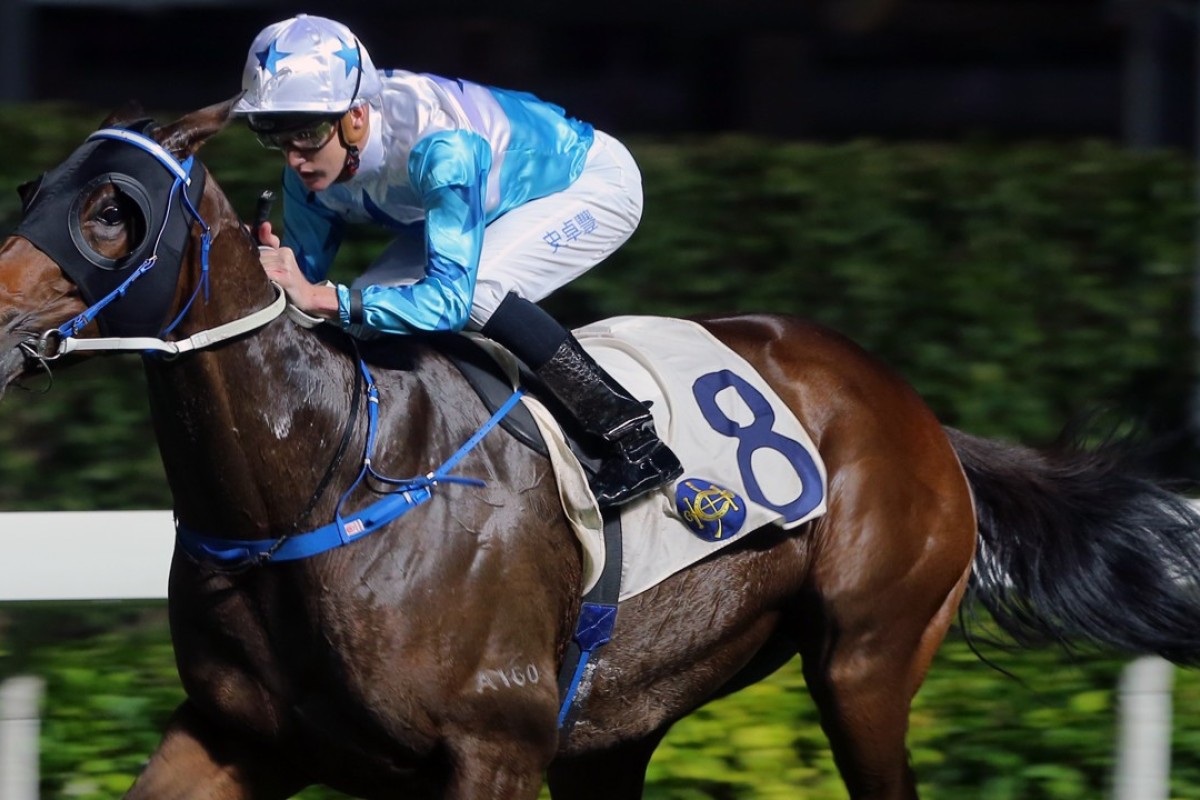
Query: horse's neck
[[248, 429], [240, 428]]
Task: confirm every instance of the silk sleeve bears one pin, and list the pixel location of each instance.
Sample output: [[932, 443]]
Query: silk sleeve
[[449, 170]]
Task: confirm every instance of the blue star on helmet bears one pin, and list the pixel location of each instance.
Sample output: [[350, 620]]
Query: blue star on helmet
[[269, 59], [349, 55]]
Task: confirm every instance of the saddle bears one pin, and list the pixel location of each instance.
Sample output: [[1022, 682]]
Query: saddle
[[748, 462], [494, 386]]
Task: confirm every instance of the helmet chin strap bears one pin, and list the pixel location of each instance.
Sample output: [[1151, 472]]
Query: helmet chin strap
[[353, 160], [349, 137]]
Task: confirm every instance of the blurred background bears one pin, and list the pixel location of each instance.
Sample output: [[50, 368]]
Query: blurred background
[[817, 69], [997, 197]]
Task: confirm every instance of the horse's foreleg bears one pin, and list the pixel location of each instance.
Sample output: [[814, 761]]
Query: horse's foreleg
[[489, 768], [615, 774], [196, 762]]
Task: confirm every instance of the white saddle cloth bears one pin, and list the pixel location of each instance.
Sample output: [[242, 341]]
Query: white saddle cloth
[[747, 460]]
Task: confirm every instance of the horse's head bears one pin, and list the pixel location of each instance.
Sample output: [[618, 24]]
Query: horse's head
[[124, 203]]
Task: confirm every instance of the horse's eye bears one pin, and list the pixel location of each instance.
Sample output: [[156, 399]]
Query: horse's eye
[[111, 215], [115, 210], [110, 225]]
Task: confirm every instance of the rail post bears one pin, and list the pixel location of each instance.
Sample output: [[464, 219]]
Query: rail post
[[20, 699], [1144, 730]]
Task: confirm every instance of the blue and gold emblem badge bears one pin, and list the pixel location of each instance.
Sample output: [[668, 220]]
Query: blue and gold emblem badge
[[711, 511]]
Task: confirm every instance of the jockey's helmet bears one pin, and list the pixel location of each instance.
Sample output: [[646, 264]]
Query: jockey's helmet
[[306, 65]]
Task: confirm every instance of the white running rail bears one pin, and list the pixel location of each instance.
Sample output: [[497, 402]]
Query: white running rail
[[110, 555]]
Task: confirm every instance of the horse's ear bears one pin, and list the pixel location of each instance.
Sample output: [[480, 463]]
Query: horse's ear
[[185, 135], [129, 110]]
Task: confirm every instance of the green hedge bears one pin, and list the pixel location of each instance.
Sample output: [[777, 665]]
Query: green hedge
[[1013, 284], [1010, 284]]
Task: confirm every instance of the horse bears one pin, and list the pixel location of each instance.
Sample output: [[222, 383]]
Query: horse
[[360, 667]]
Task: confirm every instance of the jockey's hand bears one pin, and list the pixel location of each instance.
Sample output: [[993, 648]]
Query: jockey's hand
[[280, 265], [266, 236]]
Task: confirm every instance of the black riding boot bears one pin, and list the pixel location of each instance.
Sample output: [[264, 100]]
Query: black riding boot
[[638, 461]]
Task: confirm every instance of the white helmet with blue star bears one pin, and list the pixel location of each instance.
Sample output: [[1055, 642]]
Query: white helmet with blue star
[[306, 65]]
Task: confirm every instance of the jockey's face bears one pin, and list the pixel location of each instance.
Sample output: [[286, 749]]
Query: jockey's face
[[319, 167], [319, 156], [310, 143]]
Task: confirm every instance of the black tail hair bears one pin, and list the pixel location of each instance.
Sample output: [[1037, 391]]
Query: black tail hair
[[1077, 550]]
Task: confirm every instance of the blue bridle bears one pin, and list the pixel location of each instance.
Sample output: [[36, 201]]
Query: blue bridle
[[166, 192]]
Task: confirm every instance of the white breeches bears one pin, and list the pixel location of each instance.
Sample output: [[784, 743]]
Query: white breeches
[[544, 244]]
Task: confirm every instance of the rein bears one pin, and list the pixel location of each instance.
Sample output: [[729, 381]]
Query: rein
[[56, 343]]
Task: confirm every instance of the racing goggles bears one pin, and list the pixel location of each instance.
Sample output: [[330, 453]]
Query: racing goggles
[[293, 132]]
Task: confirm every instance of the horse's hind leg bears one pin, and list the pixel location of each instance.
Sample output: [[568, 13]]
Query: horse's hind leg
[[195, 762], [884, 610], [864, 689]]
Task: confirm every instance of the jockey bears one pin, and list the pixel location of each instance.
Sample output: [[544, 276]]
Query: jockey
[[495, 197]]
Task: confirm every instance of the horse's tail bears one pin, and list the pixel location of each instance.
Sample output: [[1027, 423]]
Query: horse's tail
[[1075, 550]]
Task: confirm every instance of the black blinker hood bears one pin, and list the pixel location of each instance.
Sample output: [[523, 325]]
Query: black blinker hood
[[51, 221]]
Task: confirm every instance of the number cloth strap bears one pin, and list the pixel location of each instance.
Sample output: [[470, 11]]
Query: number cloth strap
[[594, 629], [597, 616]]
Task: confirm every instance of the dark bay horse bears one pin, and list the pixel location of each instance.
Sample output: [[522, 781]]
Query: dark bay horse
[[379, 668]]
